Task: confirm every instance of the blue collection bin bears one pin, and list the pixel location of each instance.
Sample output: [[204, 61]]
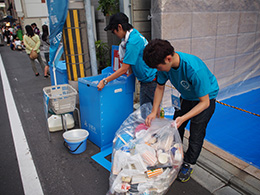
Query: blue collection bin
[[61, 73], [102, 112]]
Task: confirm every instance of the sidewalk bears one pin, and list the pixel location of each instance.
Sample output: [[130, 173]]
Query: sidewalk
[[222, 173]]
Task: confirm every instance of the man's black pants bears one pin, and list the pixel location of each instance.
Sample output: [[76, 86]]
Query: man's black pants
[[198, 125]]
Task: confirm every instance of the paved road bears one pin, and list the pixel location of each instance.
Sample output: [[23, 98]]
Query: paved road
[[59, 172]]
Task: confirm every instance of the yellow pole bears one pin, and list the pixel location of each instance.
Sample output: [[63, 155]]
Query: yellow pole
[[79, 48], [72, 53]]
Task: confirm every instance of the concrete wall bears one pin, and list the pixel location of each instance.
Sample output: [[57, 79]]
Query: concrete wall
[[33, 11], [35, 8], [223, 33]]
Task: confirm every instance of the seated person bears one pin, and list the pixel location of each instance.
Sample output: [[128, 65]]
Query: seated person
[[17, 44]]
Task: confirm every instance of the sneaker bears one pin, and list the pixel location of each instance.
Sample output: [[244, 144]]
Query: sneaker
[[185, 172]]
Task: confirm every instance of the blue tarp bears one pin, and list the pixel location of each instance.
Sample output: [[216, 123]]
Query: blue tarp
[[235, 131]]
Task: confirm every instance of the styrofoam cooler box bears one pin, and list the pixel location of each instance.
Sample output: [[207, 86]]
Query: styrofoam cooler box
[[61, 73], [102, 112]]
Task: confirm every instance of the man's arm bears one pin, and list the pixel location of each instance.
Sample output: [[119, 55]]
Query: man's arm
[[122, 70], [201, 106], [158, 95]]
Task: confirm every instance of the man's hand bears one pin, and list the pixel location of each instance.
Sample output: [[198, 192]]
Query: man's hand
[[100, 85], [200, 107], [149, 119], [179, 120]]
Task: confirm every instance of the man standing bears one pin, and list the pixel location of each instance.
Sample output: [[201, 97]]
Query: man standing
[[198, 88], [131, 53]]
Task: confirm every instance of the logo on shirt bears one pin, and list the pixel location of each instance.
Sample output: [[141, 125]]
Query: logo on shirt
[[185, 85]]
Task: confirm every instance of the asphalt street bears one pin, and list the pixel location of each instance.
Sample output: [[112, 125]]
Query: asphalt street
[[58, 171]]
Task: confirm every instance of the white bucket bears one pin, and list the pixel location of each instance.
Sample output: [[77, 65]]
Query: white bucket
[[75, 135]]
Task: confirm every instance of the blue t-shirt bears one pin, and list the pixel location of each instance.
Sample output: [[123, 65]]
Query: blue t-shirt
[[134, 56], [192, 79]]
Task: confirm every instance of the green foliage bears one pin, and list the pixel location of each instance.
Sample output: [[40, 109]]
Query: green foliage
[[103, 54], [108, 7]]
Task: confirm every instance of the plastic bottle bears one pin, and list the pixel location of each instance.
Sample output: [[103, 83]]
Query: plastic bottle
[[162, 113]]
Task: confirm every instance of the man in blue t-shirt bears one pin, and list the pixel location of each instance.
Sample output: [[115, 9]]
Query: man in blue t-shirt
[[131, 53], [198, 88]]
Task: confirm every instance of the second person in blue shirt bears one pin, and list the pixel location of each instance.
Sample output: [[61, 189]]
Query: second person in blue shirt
[[198, 88]]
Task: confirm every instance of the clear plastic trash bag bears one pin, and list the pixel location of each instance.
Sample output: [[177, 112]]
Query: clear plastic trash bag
[[145, 160]]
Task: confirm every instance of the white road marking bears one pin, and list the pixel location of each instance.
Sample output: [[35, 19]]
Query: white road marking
[[29, 176]]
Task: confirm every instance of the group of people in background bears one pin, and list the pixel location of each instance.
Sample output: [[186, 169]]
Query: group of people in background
[[31, 40], [11, 33]]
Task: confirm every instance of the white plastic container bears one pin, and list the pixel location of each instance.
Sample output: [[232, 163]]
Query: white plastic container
[[62, 98], [54, 122]]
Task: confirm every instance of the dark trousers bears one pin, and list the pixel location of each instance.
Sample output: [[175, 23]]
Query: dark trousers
[[146, 95], [198, 125], [147, 92]]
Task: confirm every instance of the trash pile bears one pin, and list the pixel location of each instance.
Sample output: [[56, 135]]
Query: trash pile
[[145, 160]]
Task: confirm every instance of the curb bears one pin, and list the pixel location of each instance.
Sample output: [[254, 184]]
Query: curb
[[222, 173]]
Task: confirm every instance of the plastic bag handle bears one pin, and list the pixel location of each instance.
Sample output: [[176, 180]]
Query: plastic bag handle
[[68, 147]]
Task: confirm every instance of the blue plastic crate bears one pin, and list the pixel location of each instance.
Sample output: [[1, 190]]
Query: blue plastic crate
[[61, 74], [102, 112]]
